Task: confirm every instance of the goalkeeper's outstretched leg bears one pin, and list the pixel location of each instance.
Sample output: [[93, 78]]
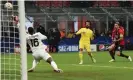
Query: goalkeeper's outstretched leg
[[39, 49], [48, 60], [54, 65], [34, 64]]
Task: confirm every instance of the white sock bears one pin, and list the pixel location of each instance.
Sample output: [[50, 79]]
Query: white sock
[[34, 64], [54, 65]]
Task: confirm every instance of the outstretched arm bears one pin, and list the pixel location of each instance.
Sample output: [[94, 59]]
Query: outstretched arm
[[79, 32], [42, 37]]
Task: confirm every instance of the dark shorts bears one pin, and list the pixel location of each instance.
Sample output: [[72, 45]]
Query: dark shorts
[[119, 48]]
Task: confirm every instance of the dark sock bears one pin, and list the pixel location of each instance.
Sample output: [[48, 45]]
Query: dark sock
[[123, 55], [112, 54]]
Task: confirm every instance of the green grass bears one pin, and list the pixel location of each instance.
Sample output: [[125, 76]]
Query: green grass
[[122, 69]]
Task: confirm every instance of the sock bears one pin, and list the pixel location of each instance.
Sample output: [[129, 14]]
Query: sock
[[91, 55], [81, 56], [34, 64], [112, 54], [54, 65], [123, 55]]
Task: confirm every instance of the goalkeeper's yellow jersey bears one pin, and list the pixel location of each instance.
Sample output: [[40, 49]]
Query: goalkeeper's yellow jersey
[[86, 35]]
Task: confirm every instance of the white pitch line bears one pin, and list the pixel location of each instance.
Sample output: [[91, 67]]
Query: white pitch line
[[103, 66], [94, 66]]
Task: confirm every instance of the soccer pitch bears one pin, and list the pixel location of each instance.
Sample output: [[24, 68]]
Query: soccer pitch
[[122, 69]]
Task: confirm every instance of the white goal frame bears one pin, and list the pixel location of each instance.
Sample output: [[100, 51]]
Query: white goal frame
[[21, 11], [0, 40]]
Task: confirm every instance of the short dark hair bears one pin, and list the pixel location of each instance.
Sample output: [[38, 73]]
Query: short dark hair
[[88, 21], [117, 23], [30, 30]]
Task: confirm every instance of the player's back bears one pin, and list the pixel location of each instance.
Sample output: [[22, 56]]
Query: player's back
[[35, 41], [86, 35]]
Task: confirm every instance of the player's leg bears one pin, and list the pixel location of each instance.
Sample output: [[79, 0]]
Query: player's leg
[[92, 58], [81, 47], [112, 54], [35, 62], [112, 49], [120, 53], [54, 65], [48, 58], [87, 47]]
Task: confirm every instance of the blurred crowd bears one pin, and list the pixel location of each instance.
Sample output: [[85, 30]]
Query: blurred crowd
[[55, 35]]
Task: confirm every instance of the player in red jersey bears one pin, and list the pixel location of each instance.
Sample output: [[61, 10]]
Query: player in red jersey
[[117, 42]]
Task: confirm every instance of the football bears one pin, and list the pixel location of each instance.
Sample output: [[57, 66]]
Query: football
[[8, 5]]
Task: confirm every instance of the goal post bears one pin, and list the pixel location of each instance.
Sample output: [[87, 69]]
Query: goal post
[[13, 65], [21, 11], [0, 40]]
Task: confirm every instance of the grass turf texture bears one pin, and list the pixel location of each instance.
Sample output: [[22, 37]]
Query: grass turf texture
[[122, 69]]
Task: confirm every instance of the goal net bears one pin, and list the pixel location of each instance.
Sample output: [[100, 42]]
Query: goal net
[[11, 58]]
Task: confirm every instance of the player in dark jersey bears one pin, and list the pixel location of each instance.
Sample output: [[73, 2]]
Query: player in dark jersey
[[117, 42]]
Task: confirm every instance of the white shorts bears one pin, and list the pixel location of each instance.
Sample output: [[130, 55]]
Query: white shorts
[[41, 55]]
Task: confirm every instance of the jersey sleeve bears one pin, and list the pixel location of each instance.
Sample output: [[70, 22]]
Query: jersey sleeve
[[79, 32], [42, 37], [121, 32]]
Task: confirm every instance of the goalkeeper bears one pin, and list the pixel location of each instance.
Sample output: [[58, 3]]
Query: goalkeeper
[[84, 43]]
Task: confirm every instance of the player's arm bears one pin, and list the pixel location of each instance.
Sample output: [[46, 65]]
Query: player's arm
[[121, 37], [42, 37], [79, 32], [92, 36], [113, 35]]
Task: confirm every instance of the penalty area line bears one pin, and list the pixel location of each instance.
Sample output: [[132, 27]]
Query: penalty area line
[[103, 66]]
